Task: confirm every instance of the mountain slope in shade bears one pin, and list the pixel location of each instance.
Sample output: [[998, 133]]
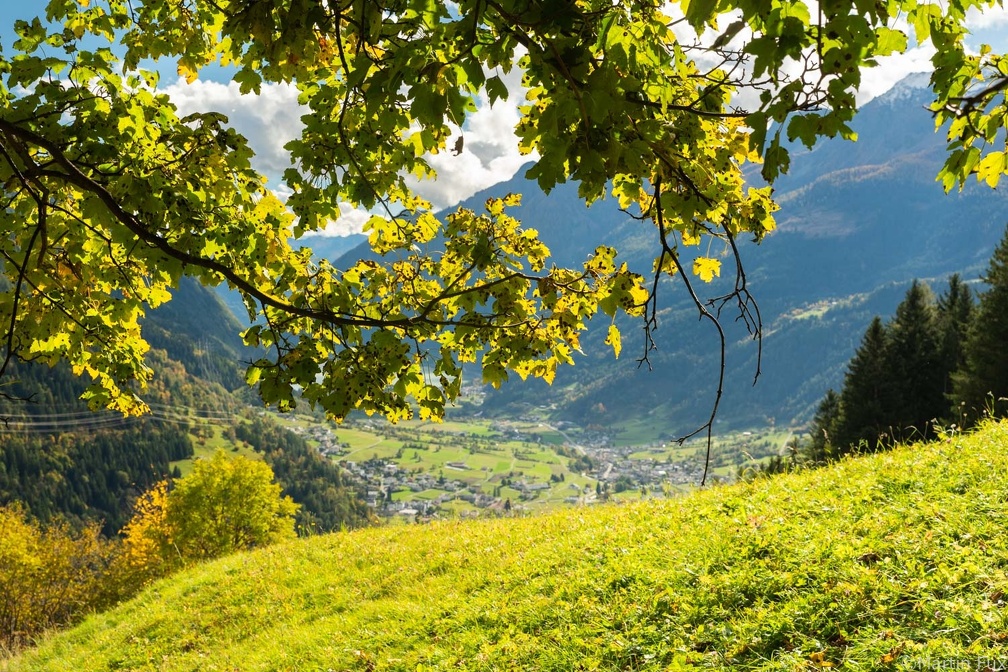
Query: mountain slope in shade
[[198, 329]]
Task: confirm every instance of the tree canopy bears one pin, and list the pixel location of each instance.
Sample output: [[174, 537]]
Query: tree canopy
[[980, 385], [226, 505], [111, 196]]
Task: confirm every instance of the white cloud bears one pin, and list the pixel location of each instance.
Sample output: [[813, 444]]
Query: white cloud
[[489, 150], [991, 18], [273, 118], [351, 221], [268, 120]]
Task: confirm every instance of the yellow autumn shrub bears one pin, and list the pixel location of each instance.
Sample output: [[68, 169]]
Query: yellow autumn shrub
[[50, 576], [226, 504]]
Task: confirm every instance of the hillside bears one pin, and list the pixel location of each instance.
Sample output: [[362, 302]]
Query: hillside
[[61, 460], [894, 560]]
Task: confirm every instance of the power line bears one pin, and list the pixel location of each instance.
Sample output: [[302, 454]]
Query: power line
[[42, 423]]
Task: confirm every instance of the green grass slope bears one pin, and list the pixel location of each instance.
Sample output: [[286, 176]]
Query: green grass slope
[[893, 561]]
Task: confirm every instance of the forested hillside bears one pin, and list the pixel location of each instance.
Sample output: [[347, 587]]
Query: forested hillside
[[62, 460]]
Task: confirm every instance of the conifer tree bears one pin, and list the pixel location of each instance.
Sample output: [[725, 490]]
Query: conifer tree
[[981, 384], [824, 424], [914, 364], [866, 399], [955, 312]]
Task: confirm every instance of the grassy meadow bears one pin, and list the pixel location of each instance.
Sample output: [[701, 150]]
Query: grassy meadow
[[478, 453], [890, 561]]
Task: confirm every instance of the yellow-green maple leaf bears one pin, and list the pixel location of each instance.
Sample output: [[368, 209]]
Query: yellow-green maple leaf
[[706, 268]]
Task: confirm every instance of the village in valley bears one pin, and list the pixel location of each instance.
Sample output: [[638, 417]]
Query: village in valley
[[415, 471]]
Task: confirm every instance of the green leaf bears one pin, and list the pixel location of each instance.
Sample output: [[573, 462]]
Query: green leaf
[[890, 41], [991, 168], [699, 12], [496, 89]]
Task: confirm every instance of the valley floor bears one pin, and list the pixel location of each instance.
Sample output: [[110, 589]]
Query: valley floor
[[468, 466]]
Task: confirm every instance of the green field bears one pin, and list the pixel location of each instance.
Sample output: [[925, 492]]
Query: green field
[[890, 561], [207, 439], [481, 454], [488, 456]]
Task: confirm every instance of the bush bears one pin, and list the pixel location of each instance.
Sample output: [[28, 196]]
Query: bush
[[50, 576], [226, 504]]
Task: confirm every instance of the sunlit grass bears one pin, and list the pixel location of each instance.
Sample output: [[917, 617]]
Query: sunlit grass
[[895, 560], [204, 447]]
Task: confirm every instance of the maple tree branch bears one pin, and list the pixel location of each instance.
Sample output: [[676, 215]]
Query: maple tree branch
[[964, 104], [708, 426], [749, 312], [78, 178]]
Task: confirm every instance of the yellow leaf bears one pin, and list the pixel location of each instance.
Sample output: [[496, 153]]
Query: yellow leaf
[[187, 72], [894, 653], [667, 265], [689, 239], [990, 168], [706, 268], [613, 339], [819, 659]]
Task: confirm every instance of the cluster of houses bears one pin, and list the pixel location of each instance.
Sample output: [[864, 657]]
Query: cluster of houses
[[617, 464], [384, 477], [320, 433], [614, 469]]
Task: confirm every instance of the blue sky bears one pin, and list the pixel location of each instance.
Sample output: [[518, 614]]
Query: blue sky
[[9, 13]]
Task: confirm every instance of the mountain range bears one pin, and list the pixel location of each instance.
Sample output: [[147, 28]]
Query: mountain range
[[858, 221]]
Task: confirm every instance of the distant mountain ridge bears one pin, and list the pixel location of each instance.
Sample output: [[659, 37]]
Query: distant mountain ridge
[[858, 222]]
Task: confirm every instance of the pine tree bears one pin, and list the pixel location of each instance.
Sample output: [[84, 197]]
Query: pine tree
[[820, 448], [981, 384], [955, 312], [866, 399], [914, 362]]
